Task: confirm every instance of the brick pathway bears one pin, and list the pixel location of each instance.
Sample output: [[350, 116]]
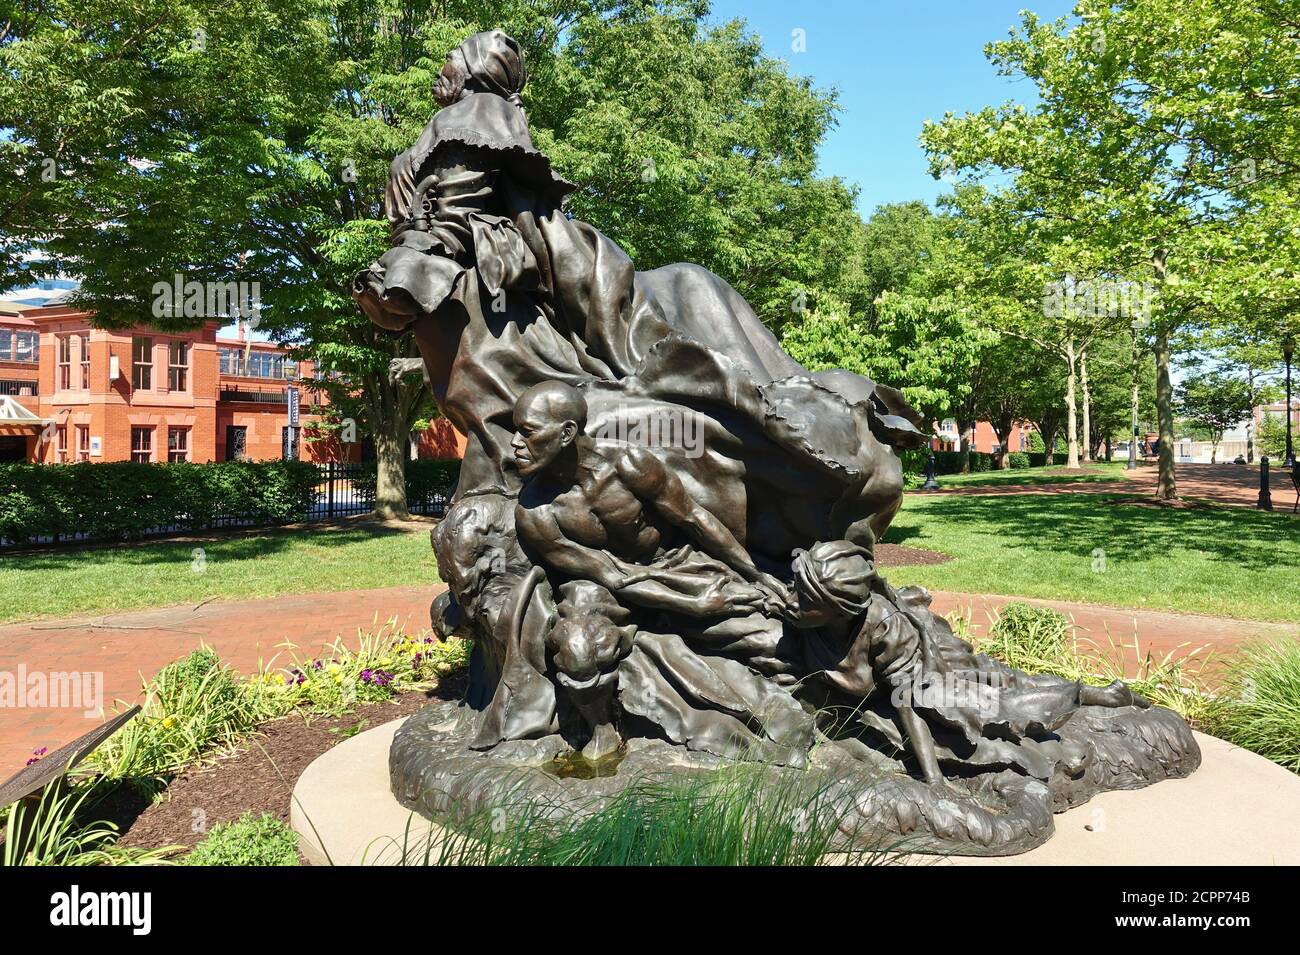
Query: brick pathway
[[1235, 484], [125, 646]]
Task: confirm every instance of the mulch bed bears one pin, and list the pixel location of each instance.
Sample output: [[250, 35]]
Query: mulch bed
[[900, 555], [260, 776]]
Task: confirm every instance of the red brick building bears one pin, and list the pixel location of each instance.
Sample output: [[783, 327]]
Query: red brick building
[[144, 395]]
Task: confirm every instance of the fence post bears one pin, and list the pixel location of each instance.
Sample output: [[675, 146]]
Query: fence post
[[329, 479], [1265, 502]]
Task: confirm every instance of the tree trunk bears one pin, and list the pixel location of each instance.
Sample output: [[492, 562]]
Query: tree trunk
[[389, 429], [1047, 428], [1071, 408], [1166, 484], [390, 459], [964, 429], [1250, 422], [1002, 427], [1087, 405], [1134, 405]]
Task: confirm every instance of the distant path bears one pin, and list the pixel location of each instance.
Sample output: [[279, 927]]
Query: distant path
[[124, 646], [1235, 484]]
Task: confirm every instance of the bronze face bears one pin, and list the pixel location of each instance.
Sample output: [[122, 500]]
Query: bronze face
[[451, 80], [539, 439]]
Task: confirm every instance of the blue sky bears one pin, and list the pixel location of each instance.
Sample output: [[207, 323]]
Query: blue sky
[[895, 63]]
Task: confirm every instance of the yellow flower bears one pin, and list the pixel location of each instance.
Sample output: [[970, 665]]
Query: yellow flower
[[168, 722]]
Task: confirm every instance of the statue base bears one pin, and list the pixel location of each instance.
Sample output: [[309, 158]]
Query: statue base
[[877, 804]]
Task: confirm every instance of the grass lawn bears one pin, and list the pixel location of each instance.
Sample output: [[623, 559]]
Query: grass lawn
[[1231, 562], [166, 573], [1052, 474]]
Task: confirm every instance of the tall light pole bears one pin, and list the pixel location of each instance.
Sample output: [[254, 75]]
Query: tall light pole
[[1288, 348]]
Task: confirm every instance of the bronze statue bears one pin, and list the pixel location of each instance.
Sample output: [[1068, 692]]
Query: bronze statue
[[662, 540]]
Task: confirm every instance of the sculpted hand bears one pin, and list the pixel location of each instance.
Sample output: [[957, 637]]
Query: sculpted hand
[[728, 598], [780, 597]]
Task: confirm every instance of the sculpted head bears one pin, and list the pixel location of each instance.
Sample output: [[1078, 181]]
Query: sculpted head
[[488, 62], [549, 418], [833, 581]]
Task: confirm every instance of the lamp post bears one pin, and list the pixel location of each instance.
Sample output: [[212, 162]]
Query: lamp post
[[1288, 348], [930, 483]]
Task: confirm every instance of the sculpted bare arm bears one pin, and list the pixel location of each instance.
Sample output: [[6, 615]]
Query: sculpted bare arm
[[539, 530], [658, 487]]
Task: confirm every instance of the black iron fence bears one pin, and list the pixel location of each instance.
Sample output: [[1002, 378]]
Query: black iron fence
[[251, 396], [304, 492]]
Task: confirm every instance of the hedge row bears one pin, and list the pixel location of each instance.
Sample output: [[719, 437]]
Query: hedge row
[[949, 462], [426, 479], [122, 500]]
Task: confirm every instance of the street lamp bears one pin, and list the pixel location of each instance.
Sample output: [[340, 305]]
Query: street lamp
[[1288, 348], [930, 483]]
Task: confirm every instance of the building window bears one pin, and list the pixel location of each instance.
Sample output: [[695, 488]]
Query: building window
[[142, 445], [85, 362], [64, 350], [142, 363], [61, 444], [178, 444], [178, 365], [260, 364], [83, 442], [27, 347]]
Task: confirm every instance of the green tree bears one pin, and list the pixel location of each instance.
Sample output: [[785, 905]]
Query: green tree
[[1213, 403], [249, 140], [1146, 111]]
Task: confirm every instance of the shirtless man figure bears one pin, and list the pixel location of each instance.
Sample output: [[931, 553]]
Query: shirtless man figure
[[605, 517], [603, 513]]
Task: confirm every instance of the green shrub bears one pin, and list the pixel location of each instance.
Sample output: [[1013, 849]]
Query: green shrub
[[426, 478], [1043, 640], [1018, 459], [60, 829], [1023, 636], [1038, 459], [1258, 707], [197, 706], [383, 663], [950, 462], [191, 707], [261, 841], [123, 500]]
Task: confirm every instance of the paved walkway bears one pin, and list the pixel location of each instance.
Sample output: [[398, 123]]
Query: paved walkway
[[1233, 484], [125, 646]]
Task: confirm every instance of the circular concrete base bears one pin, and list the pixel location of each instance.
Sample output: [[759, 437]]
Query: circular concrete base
[[1236, 809]]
